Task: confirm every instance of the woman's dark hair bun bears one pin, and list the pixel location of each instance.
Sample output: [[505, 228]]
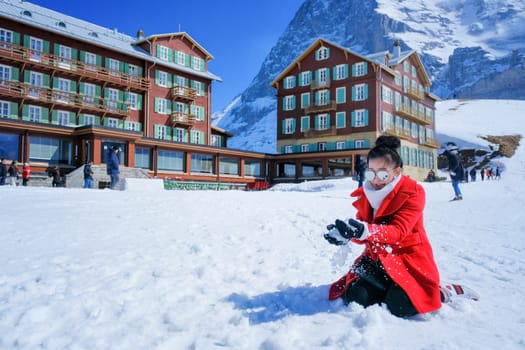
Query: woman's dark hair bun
[[391, 142]]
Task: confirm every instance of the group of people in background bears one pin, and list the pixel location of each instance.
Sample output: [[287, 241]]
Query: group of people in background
[[10, 174], [488, 172]]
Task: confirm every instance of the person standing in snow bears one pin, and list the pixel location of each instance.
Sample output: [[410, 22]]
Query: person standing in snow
[[26, 174], [455, 169], [397, 266], [3, 172], [113, 166], [88, 175], [13, 173]]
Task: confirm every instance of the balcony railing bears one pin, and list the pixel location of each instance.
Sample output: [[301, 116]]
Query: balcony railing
[[399, 132], [416, 93], [46, 60], [180, 118], [330, 106], [412, 114], [183, 93], [320, 84], [66, 98], [430, 142], [331, 131]]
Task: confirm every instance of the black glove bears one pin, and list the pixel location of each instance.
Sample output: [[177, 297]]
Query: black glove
[[341, 232]]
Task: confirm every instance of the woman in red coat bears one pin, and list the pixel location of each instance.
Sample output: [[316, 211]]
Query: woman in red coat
[[397, 266]]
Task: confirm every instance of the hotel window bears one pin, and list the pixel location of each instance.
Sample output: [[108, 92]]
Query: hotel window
[[181, 58], [387, 121], [197, 63], [6, 37], [133, 100], [305, 147], [5, 74], [340, 120], [321, 146], [322, 53], [414, 71], [62, 118], [133, 70], [161, 132], [142, 156], [339, 145], [360, 144], [36, 46], [112, 122], [35, 114], [323, 122], [90, 59], [180, 135], [64, 86], [163, 53], [89, 119], [289, 126], [386, 94], [414, 130], [64, 53], [114, 67], [360, 118], [305, 100], [112, 98], [323, 77], [162, 78], [4, 109], [305, 123], [340, 95], [196, 137], [199, 87], [168, 160], [323, 97], [360, 92], [341, 71], [288, 149], [305, 78], [133, 126], [161, 105], [289, 82], [289, 103], [359, 69], [89, 94], [36, 81]]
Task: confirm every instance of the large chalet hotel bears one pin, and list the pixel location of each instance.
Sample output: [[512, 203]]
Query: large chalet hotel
[[70, 89]]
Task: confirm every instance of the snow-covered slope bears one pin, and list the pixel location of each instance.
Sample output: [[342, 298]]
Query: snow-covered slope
[[102, 269]]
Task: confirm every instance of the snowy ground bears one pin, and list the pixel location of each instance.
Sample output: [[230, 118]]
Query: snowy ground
[[90, 269]]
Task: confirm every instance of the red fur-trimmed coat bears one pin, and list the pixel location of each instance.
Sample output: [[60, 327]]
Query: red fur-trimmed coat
[[398, 239]]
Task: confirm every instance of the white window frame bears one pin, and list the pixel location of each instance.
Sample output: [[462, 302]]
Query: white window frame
[[162, 106], [340, 145], [89, 119], [90, 59], [164, 53], [195, 137], [360, 92], [64, 86], [288, 102], [112, 100], [133, 100], [36, 80], [114, 67], [162, 131], [133, 126], [34, 114], [178, 134], [306, 78], [163, 78], [112, 122], [360, 69], [288, 82], [5, 74], [64, 54], [304, 105], [289, 126], [305, 147], [322, 53], [62, 118], [339, 72], [360, 143], [322, 121], [359, 118], [386, 94], [181, 58], [343, 113], [199, 87], [5, 109], [322, 77], [321, 146], [6, 37], [343, 88], [322, 98], [37, 47], [197, 63], [90, 92], [288, 149]]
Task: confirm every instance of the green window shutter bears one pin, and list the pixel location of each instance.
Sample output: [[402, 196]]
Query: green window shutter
[[27, 76], [300, 79], [353, 70], [56, 49], [72, 118], [45, 115], [185, 136], [365, 70], [202, 65], [316, 55], [81, 88], [15, 73], [316, 122], [366, 91], [317, 98], [157, 52], [175, 55], [170, 55], [139, 71], [106, 63], [25, 112], [74, 53], [121, 124], [170, 80], [82, 56], [139, 126], [294, 125], [123, 67], [187, 60], [139, 102], [304, 123], [81, 119], [346, 70], [340, 120], [16, 38], [168, 107], [366, 117], [352, 121], [334, 71], [27, 39], [46, 46], [97, 120], [340, 98], [293, 82], [13, 112], [156, 77], [156, 107], [168, 133], [55, 83], [317, 74], [283, 127], [156, 131], [293, 102], [328, 95], [46, 80], [99, 60], [98, 91], [54, 118], [328, 120], [353, 93], [73, 86]]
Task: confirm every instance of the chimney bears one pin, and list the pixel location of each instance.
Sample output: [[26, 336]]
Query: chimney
[[397, 49], [140, 34]]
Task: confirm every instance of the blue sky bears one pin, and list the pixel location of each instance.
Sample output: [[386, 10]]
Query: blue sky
[[238, 33]]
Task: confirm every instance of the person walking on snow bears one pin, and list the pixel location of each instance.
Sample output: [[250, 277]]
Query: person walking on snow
[[455, 169], [397, 266], [113, 166], [26, 173], [88, 175]]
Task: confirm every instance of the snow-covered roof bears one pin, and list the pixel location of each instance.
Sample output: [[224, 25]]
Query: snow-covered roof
[[179, 34], [56, 22]]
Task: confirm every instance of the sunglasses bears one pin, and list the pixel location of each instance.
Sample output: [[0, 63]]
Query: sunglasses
[[382, 175]]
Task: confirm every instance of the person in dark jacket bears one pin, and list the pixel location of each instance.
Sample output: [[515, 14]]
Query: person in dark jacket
[[55, 174], [455, 169], [88, 175], [113, 166], [13, 173], [3, 172], [361, 173], [473, 174]]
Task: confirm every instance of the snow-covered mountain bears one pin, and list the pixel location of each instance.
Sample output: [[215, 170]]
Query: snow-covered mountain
[[470, 48]]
